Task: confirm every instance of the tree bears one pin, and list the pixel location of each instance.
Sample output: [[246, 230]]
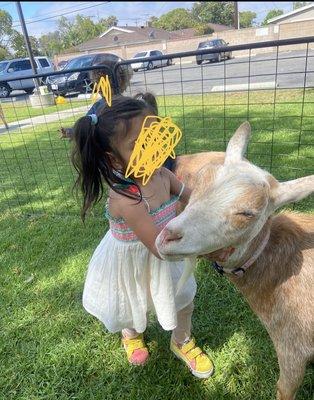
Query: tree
[[152, 20], [271, 14], [179, 18], [5, 25], [51, 43], [203, 30], [216, 12], [298, 4], [4, 53], [247, 19], [19, 47], [67, 33], [108, 22], [84, 29]]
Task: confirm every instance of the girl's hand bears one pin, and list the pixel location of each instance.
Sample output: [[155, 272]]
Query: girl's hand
[[176, 186]]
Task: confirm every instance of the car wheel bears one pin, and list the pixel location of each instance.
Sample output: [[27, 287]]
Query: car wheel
[[229, 56], [5, 90], [86, 86], [135, 70], [169, 62], [198, 62], [150, 65], [29, 91], [219, 57]]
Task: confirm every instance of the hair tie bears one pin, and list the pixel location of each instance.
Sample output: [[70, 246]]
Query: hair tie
[[94, 119], [141, 98]]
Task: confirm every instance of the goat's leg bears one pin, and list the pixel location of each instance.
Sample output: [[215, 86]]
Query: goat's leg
[[292, 368]]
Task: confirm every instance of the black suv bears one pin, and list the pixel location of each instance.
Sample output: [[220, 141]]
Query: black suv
[[75, 81], [212, 44]]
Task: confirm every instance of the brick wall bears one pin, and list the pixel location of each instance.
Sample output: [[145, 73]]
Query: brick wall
[[233, 37]]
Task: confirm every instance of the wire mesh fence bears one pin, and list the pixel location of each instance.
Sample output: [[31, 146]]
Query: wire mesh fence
[[208, 93]]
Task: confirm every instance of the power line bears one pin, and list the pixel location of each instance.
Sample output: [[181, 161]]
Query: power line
[[60, 15], [50, 14]]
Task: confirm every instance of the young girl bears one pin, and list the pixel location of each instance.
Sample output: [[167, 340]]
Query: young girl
[[126, 277]]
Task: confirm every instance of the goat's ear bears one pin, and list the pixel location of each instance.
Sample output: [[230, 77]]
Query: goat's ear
[[238, 143], [291, 191]]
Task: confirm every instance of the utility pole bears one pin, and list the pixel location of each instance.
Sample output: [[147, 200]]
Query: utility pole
[[236, 15], [27, 43]]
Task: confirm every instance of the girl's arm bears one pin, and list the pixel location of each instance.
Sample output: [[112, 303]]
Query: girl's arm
[[139, 220], [176, 186]]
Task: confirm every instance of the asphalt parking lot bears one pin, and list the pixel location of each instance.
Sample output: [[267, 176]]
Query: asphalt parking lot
[[264, 71]]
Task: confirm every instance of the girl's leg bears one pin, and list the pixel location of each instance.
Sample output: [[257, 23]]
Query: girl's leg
[[134, 346], [184, 346], [183, 330], [129, 333]]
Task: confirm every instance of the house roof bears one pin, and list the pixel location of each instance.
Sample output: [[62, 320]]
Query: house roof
[[291, 13], [117, 36], [123, 35]]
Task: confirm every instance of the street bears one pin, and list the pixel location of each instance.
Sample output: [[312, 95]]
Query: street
[[239, 73], [236, 74]]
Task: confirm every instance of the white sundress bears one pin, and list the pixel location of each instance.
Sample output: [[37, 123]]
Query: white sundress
[[125, 280]]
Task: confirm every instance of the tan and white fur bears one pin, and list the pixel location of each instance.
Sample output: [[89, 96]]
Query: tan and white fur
[[232, 206]]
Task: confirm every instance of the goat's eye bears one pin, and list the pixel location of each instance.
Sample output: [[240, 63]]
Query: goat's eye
[[247, 214]]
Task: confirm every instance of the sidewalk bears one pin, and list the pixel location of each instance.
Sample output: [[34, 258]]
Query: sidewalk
[[43, 119]]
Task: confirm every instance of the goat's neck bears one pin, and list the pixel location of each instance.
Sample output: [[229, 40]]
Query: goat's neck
[[246, 250]]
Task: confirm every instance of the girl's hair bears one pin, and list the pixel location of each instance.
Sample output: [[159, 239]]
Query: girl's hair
[[93, 144], [124, 72]]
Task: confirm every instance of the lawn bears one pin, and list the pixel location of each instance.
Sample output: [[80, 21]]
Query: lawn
[[20, 110], [50, 347]]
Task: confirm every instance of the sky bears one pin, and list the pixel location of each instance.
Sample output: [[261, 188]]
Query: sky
[[130, 13]]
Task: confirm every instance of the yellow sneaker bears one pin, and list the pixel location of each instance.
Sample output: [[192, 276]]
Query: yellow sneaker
[[136, 350], [199, 363]]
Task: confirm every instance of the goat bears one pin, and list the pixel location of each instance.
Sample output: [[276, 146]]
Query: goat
[[270, 257]]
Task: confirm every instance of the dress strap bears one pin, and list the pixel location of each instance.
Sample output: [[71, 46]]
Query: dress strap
[[146, 202], [181, 191]]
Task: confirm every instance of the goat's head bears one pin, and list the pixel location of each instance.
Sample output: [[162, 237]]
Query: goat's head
[[229, 205]]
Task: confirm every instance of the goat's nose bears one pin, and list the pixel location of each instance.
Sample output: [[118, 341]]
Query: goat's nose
[[168, 235]]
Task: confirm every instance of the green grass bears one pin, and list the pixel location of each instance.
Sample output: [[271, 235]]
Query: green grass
[[50, 348], [20, 110]]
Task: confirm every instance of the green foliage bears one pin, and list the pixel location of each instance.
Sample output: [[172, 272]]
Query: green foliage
[[51, 43], [106, 23], [179, 18], [19, 47], [271, 14], [247, 19], [5, 25], [4, 53], [298, 4], [203, 30], [216, 12]]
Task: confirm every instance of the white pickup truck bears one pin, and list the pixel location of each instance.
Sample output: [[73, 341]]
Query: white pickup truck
[[19, 68]]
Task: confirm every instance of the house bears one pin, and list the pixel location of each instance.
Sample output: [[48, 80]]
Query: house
[[118, 36], [305, 13]]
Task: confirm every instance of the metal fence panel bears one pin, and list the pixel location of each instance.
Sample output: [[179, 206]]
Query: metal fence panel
[[273, 90]]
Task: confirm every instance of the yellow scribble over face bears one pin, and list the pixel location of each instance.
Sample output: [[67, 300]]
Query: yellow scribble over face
[[155, 143], [104, 86]]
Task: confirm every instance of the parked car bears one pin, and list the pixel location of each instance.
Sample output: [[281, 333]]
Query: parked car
[[62, 64], [75, 81], [150, 64], [19, 68], [212, 44]]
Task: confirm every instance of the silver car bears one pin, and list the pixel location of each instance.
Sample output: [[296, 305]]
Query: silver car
[[19, 68], [149, 64]]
